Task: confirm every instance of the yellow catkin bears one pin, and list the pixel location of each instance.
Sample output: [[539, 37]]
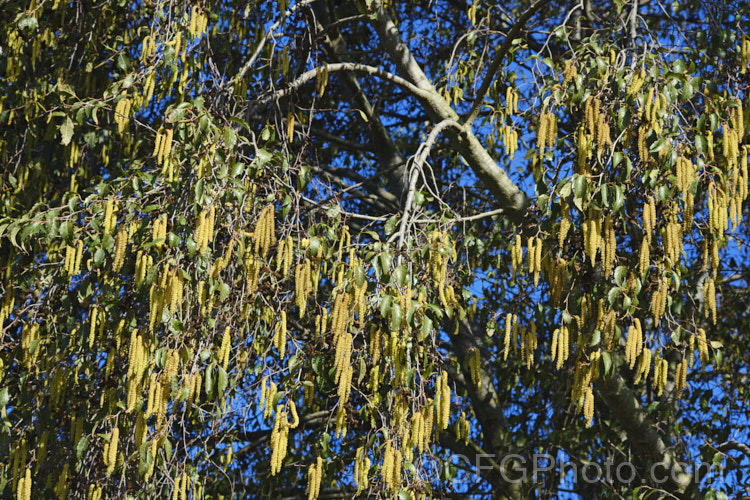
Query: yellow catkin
[[554, 346], [644, 365], [630, 344], [531, 345], [108, 211], [279, 436], [70, 256], [185, 483], [111, 459], [588, 407], [636, 81], [23, 491], [649, 105], [387, 467], [270, 396], [396, 471], [570, 72], [153, 390], [280, 336], [537, 260], [652, 213], [681, 377], [564, 226], [263, 393], [541, 137], [198, 235], [341, 422], [208, 234], [79, 254], [703, 347], [609, 247], [661, 376], [140, 430], [531, 253], [475, 368], [444, 401], [507, 337], [224, 350], [710, 297], [644, 257], [314, 475], [591, 235]]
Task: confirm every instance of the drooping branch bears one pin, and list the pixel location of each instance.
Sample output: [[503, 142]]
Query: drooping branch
[[499, 58], [259, 48], [420, 158], [391, 161]]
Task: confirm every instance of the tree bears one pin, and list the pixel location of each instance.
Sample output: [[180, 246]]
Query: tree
[[375, 249]]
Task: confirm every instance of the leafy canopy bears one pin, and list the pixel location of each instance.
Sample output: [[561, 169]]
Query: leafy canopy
[[320, 250]]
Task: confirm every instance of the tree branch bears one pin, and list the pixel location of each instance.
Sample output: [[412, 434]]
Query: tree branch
[[463, 140], [734, 445], [312, 74], [649, 447]]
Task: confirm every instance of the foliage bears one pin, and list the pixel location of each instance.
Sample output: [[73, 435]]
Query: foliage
[[317, 250]]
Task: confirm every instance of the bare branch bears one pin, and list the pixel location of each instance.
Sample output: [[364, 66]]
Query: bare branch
[[269, 34], [312, 74]]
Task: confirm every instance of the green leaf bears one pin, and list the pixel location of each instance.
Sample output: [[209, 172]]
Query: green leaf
[[390, 225], [222, 382], [31, 229], [66, 131], [209, 382], [146, 458], [580, 186], [619, 198], [385, 305], [399, 274], [613, 294], [620, 273], [28, 22], [333, 211], [359, 275], [397, 316], [223, 291], [623, 117], [701, 144], [404, 495], [617, 157], [99, 256], [173, 240], [605, 195], [658, 146], [230, 137], [596, 338], [82, 445]]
